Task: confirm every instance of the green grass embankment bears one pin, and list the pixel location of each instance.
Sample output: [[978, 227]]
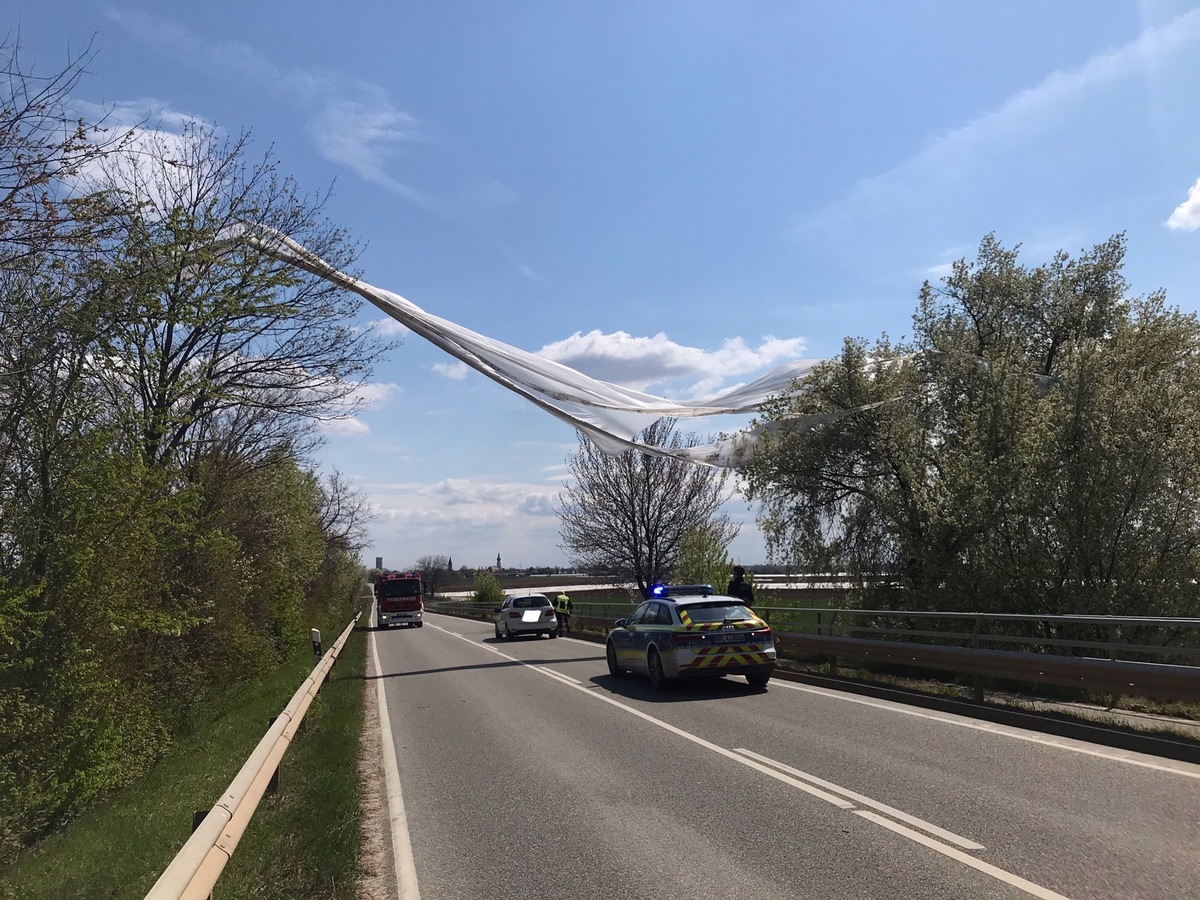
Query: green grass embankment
[[302, 842]]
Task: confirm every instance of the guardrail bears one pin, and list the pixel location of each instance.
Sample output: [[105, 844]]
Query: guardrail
[[198, 865], [1144, 656]]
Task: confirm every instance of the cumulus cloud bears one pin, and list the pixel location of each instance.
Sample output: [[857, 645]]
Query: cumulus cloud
[[644, 362], [1186, 216], [389, 326], [345, 427], [366, 396], [469, 519], [455, 371], [376, 393], [149, 129]]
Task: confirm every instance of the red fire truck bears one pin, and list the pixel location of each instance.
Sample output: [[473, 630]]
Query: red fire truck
[[399, 599]]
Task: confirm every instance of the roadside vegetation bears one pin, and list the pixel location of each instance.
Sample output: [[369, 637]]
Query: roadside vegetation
[[302, 841], [165, 540], [1032, 449]]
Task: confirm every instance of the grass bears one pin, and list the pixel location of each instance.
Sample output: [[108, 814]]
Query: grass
[[302, 842]]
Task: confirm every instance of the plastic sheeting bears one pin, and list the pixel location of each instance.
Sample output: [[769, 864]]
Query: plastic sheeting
[[610, 415]]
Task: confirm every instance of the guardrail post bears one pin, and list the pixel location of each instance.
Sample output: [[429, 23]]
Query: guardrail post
[[315, 634], [977, 679], [199, 816], [1114, 699], [273, 784], [833, 666]]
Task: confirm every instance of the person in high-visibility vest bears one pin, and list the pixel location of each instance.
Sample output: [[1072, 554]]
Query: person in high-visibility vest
[[562, 609]]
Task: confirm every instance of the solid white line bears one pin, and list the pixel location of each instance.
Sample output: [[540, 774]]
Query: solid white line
[[1185, 769], [778, 776], [965, 843], [559, 675], [402, 855], [965, 858]]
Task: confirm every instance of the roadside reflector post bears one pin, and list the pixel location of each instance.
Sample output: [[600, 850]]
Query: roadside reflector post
[[316, 642]]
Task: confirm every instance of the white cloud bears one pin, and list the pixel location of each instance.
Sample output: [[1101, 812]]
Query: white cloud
[[938, 170], [351, 122], [1186, 216], [455, 371], [529, 273], [389, 327], [149, 129], [377, 393], [469, 519], [366, 396], [347, 427], [642, 362]]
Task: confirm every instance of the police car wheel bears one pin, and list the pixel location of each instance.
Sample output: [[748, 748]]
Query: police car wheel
[[658, 677], [610, 652], [758, 679]]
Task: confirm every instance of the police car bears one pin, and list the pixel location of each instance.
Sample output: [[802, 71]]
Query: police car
[[685, 631]]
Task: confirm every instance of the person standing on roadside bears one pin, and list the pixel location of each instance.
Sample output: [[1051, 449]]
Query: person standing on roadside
[[739, 587], [562, 609]]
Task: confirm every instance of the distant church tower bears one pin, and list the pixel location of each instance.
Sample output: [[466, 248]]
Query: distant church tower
[[498, 566]]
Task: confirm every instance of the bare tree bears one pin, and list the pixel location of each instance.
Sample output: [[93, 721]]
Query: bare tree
[[434, 570], [220, 330], [627, 514], [42, 147]]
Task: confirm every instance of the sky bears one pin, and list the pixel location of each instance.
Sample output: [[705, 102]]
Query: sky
[[674, 196]]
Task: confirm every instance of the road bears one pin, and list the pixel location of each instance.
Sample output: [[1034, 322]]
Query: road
[[528, 772]]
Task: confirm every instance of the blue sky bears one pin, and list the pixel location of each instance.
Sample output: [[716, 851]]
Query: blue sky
[[677, 196]]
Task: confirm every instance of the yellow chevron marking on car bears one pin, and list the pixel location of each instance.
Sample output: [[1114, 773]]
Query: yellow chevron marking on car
[[719, 657]]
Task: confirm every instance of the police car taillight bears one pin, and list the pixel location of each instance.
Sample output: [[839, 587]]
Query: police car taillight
[[688, 637]]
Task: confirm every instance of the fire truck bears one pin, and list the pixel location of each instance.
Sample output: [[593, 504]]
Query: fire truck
[[399, 599]]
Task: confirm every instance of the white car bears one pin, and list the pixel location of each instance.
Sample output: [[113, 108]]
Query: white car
[[526, 614]]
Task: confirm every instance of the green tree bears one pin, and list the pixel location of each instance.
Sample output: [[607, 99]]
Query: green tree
[[434, 571], [488, 591], [627, 514], [1033, 449], [161, 533], [703, 557]]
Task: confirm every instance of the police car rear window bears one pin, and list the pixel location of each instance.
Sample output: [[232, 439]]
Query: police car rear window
[[718, 612]]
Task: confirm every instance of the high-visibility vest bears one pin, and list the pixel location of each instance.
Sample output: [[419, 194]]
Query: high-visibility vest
[[563, 602]]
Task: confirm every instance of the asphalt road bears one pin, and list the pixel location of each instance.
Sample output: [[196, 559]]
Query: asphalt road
[[527, 771]]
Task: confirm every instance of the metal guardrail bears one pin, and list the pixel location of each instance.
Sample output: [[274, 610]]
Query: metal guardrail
[[998, 645], [196, 868], [992, 645]]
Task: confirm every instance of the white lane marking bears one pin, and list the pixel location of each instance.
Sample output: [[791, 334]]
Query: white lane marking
[[559, 675], [736, 755], [966, 859], [929, 827], [778, 776], [402, 855], [1182, 768]]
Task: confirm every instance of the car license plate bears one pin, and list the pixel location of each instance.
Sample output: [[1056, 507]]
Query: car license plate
[[732, 637], [531, 615]]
